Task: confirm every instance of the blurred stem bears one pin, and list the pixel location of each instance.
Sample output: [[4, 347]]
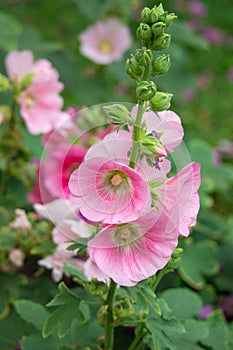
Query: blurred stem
[[138, 338], [109, 327], [158, 278], [136, 135]]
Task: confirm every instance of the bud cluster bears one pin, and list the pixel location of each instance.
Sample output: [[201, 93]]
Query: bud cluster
[[152, 31]]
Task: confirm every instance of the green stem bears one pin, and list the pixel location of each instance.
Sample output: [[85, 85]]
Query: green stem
[[158, 278], [109, 327], [137, 339], [136, 135]]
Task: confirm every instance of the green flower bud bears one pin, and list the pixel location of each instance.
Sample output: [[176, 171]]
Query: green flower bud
[[27, 80], [154, 15], [5, 111], [162, 42], [96, 288], [160, 64], [158, 28], [174, 262], [145, 14], [4, 83], [161, 13], [133, 69], [160, 101], [143, 56], [146, 90], [118, 114], [144, 32], [170, 18], [123, 309], [152, 146]]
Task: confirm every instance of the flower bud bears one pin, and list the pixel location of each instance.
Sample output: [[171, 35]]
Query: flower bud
[[152, 146], [158, 28], [133, 69], [160, 64], [161, 13], [170, 18], [174, 262], [96, 288], [146, 90], [162, 42], [145, 14], [160, 101], [154, 15], [123, 309], [4, 83], [143, 56], [117, 114], [144, 32]]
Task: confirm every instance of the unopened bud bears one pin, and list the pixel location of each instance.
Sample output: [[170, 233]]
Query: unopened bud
[[160, 64], [145, 14], [133, 68], [154, 15], [117, 114], [170, 18], [158, 28], [160, 101], [146, 90], [161, 13], [162, 42], [123, 309], [152, 146], [143, 57], [4, 83], [144, 32]]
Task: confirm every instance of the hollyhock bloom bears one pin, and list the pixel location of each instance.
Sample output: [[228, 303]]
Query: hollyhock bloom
[[64, 216], [18, 64], [134, 251], [109, 191], [105, 41], [17, 257], [21, 221], [181, 201], [167, 123], [57, 260], [91, 270]]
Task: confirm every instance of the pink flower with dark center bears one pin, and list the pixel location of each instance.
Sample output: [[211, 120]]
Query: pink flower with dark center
[[106, 41], [134, 251], [109, 191]]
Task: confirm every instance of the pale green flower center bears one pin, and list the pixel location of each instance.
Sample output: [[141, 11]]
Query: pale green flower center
[[126, 235]]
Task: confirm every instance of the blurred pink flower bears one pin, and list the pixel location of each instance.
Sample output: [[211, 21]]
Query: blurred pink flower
[[205, 311], [57, 260], [105, 41], [21, 221], [197, 8], [230, 74], [134, 251], [1, 118], [91, 270], [17, 257], [203, 80], [18, 64], [214, 35], [109, 191], [188, 95]]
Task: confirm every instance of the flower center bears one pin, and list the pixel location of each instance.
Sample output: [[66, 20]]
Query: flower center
[[29, 101], [124, 232], [105, 46], [116, 180], [126, 236]]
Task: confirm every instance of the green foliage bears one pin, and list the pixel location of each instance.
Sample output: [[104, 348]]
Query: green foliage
[[198, 260], [68, 310], [183, 302], [10, 30]]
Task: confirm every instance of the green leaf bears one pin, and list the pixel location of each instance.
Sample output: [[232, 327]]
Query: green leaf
[[32, 312], [195, 331], [68, 310], [75, 273], [163, 332], [198, 260], [218, 332], [184, 302], [10, 30], [145, 298]]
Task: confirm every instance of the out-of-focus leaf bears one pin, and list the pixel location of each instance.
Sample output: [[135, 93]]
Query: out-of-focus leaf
[[218, 333], [10, 30]]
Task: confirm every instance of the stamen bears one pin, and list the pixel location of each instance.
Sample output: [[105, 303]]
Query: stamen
[[105, 46], [116, 180], [124, 233]]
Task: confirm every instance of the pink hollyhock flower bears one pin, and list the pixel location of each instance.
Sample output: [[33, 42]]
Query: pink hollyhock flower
[[91, 270], [64, 216], [21, 221], [214, 35], [197, 8], [167, 124], [57, 260], [181, 201], [105, 42], [17, 257], [18, 64], [109, 191], [134, 251]]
